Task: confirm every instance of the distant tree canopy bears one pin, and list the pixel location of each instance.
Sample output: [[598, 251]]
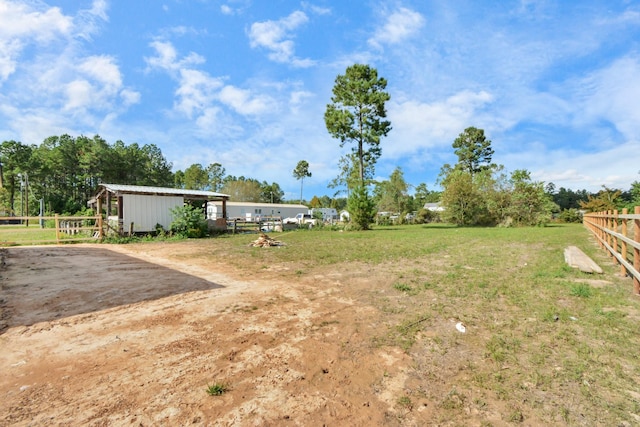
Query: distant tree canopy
[[606, 199], [197, 177], [477, 192], [65, 171], [392, 195]]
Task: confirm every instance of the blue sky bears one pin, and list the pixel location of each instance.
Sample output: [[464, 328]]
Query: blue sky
[[554, 84]]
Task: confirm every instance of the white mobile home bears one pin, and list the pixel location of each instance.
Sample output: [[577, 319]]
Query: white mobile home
[[140, 208], [328, 214], [248, 211]]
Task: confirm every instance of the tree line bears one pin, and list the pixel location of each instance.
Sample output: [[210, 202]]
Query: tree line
[[65, 171]]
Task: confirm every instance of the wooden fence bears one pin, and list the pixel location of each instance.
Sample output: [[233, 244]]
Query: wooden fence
[[619, 233], [66, 228]]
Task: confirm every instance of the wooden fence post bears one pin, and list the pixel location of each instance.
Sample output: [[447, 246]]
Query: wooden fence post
[[609, 236], [623, 244], [614, 239], [57, 229], [99, 223], [636, 251]]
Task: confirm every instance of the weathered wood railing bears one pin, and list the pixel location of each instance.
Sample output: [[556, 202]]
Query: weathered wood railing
[[619, 233], [67, 228]]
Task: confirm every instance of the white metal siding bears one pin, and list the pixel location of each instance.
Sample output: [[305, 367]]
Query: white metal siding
[[251, 210], [147, 211]]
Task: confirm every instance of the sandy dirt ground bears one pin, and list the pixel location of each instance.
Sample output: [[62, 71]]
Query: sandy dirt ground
[[131, 335]]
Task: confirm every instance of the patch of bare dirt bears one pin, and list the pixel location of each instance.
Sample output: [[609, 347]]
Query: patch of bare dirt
[[132, 335]]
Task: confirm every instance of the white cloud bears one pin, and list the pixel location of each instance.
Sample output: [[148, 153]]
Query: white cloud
[[613, 167], [316, 9], [102, 69], [79, 94], [88, 22], [49, 81], [22, 25], [418, 125], [196, 91], [167, 57], [243, 102], [275, 36], [129, 97], [97, 78], [612, 94], [399, 26]]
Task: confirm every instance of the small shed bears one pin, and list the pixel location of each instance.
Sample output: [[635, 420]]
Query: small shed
[[138, 209]]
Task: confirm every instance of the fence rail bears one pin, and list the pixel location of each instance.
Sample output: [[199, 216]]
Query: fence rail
[[619, 233], [67, 228]]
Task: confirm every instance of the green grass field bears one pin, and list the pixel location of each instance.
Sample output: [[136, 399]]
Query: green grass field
[[12, 235], [544, 342]]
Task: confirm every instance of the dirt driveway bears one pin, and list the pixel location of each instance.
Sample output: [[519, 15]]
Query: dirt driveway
[[131, 335]]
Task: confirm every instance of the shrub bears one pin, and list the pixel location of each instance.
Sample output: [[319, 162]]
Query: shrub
[[188, 221], [361, 209], [570, 215]]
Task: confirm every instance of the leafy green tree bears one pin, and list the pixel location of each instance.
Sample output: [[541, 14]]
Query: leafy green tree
[[196, 178], [178, 179], [462, 199], [5, 205], [392, 195], [315, 202], [241, 189], [325, 202], [473, 150], [349, 176], [216, 176], [529, 204], [156, 167], [357, 111], [635, 193], [15, 159], [271, 193], [605, 200], [569, 199], [361, 209], [300, 173], [421, 194]]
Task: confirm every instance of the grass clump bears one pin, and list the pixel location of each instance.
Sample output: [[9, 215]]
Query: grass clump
[[217, 389]]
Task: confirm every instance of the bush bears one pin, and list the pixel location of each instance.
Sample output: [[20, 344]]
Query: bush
[[425, 216], [570, 215], [188, 221], [361, 208]]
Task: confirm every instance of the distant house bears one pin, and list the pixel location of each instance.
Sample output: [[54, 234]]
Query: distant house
[[250, 211], [434, 207], [139, 208], [328, 214]]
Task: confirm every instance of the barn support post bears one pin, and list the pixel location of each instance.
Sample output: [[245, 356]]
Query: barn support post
[[99, 216], [120, 216]]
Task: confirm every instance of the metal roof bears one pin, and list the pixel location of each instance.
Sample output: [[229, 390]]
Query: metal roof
[[161, 191], [263, 204]]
